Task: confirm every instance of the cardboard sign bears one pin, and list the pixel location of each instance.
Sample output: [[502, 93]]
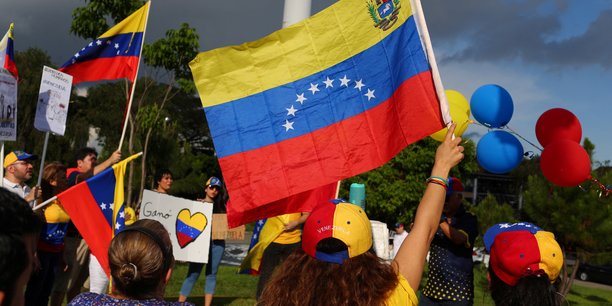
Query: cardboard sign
[[8, 106], [221, 231], [187, 221], [53, 101]]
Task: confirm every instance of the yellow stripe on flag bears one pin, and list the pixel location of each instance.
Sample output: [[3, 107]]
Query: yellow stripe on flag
[[133, 23], [337, 33]]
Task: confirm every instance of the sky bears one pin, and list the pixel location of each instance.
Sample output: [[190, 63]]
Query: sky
[[545, 53]]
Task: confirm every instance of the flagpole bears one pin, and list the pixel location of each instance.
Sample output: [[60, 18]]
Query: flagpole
[[422, 27], [42, 159], [129, 106], [55, 197]]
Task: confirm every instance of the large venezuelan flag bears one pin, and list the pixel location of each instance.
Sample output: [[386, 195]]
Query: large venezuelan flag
[[328, 98], [7, 52], [96, 207], [113, 55]]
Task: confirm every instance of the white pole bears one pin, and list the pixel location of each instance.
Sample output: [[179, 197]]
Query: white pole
[[42, 159], [129, 106], [295, 11], [43, 204], [424, 33]]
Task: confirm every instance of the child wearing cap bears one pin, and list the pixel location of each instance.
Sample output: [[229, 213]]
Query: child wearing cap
[[212, 189], [524, 265], [336, 264]]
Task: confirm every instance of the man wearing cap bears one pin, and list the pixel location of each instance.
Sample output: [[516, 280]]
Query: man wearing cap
[[451, 276], [17, 171], [398, 238]]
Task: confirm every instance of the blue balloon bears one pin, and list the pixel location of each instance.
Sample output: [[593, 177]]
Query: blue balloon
[[492, 106], [499, 152]]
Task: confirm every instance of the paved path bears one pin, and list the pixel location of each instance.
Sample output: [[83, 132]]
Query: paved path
[[592, 285]]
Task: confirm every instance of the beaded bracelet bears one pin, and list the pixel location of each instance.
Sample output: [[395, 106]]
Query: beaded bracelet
[[438, 181]]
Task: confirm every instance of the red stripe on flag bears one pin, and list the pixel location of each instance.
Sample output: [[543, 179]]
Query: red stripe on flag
[[342, 150], [86, 215], [105, 68], [9, 65], [301, 202]]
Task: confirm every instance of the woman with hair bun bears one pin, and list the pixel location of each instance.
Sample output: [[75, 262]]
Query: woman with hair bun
[[141, 261]]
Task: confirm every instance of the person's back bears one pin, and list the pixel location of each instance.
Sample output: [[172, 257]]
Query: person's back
[[141, 260], [336, 266], [524, 265], [19, 228]]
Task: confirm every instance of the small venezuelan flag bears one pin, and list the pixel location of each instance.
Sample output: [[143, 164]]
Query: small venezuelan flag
[[113, 55], [97, 208], [7, 56]]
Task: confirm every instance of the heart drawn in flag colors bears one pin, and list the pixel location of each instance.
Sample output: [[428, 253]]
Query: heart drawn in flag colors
[[189, 226]]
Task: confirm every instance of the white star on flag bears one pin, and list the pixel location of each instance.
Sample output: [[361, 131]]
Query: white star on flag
[[103, 206], [370, 94], [77, 55], [359, 84], [328, 82], [291, 111], [117, 225], [301, 98], [261, 222], [90, 44], [505, 225], [98, 42], [314, 88], [122, 215], [116, 46], [288, 125], [255, 236], [344, 81]]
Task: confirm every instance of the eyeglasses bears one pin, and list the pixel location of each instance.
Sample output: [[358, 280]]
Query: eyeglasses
[[22, 162]]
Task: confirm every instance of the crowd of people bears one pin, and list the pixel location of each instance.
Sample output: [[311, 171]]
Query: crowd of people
[[321, 257]]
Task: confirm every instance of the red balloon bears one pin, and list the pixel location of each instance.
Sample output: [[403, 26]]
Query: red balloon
[[558, 123], [565, 163]]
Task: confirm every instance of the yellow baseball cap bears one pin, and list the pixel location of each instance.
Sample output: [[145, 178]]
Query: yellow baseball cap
[[14, 156]]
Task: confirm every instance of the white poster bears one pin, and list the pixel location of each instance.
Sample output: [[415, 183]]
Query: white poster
[[53, 100], [8, 106], [187, 221]]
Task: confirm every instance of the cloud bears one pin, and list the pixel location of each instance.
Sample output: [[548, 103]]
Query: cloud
[[517, 30]]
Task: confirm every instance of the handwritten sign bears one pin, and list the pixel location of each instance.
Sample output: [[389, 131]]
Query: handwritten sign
[[221, 231], [8, 106], [53, 100], [187, 221]]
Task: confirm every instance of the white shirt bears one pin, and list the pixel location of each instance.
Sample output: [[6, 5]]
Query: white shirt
[[398, 239], [17, 189]]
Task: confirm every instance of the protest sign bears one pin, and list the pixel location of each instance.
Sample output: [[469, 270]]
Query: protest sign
[[8, 106], [187, 221], [53, 100]]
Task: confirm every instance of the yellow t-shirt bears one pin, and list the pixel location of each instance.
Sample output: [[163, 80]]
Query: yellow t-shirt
[[54, 213], [403, 294], [289, 237]]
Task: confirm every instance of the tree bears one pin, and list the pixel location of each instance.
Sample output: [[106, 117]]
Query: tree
[[489, 213], [394, 190], [90, 21]]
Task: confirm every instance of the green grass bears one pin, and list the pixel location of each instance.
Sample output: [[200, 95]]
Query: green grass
[[232, 288], [239, 290]]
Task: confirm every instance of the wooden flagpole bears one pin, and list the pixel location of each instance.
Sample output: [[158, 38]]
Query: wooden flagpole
[[129, 106], [424, 33]]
